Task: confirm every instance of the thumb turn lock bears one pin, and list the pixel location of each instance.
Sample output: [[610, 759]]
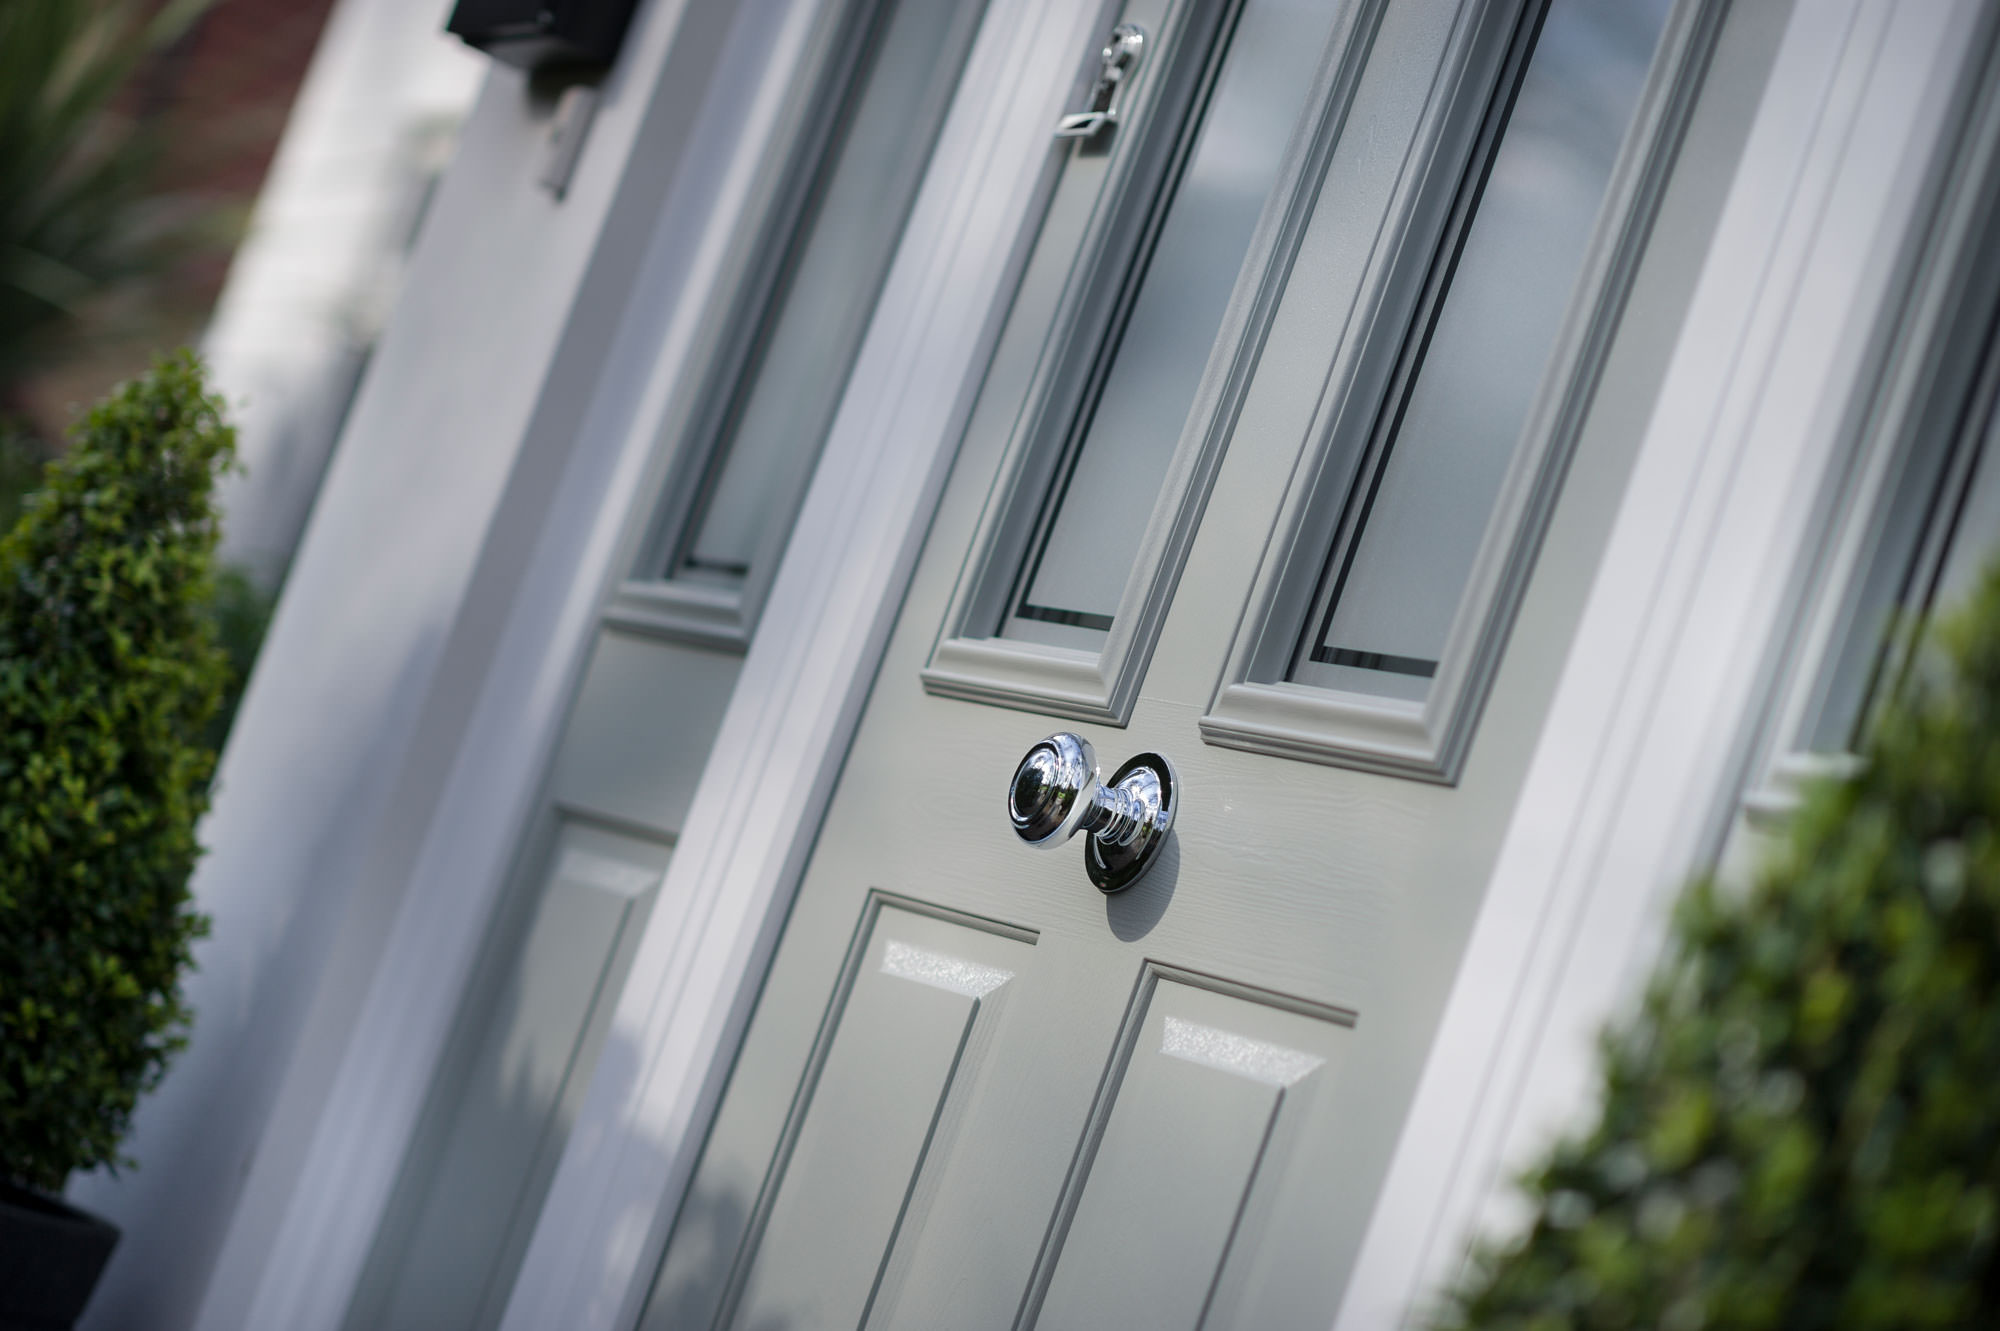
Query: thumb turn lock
[[1056, 793]]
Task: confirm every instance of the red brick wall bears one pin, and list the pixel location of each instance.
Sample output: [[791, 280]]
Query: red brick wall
[[219, 98]]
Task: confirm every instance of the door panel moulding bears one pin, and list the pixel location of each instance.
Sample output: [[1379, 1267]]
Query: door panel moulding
[[1638, 766], [522, 631], [822, 632]]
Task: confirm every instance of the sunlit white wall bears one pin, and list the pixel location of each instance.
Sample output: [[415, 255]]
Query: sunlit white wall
[[313, 281]]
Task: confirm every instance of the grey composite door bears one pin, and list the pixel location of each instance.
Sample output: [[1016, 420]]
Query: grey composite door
[[1292, 464]]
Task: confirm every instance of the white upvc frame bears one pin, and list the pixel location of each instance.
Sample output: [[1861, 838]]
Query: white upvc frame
[[1645, 744], [304, 1273], [820, 66], [1937, 363], [1255, 707], [823, 629]]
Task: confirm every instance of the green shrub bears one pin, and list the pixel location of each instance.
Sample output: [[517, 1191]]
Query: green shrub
[[20, 471], [241, 612], [1802, 1128], [109, 674]]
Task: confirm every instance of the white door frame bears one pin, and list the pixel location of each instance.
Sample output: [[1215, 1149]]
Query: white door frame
[[1645, 737]]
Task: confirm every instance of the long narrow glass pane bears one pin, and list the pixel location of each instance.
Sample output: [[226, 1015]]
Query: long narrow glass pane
[[1974, 530], [1935, 541], [1388, 600], [1097, 514], [793, 383]]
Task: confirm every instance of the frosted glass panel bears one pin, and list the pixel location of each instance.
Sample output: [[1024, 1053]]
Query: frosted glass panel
[[1107, 488], [1389, 598], [786, 399], [1937, 538], [1975, 532]]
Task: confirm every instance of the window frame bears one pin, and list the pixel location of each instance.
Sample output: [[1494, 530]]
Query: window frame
[[1940, 379]]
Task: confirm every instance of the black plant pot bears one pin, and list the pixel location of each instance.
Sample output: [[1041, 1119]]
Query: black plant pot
[[50, 1257]]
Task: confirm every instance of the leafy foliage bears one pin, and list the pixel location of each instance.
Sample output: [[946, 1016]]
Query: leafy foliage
[[1802, 1130], [20, 471], [71, 172], [241, 612], [109, 674]]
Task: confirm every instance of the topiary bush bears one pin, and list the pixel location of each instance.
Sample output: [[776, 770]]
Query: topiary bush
[[109, 674], [20, 470], [241, 612], [1802, 1128]]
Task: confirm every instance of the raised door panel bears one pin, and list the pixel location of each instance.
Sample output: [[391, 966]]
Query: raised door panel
[[639, 732], [900, 1049], [1173, 1184], [439, 1262], [908, 1039]]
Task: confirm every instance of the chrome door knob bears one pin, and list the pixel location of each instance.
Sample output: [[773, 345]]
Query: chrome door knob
[[1056, 793]]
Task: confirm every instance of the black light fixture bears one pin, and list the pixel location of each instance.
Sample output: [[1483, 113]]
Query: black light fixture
[[543, 34]]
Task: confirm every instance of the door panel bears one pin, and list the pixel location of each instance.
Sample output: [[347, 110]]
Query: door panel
[[1137, 264], [1185, 1093], [1386, 605], [1477, 343], [1178, 1174], [907, 1038], [642, 700], [501, 1128], [1094, 516], [741, 449]]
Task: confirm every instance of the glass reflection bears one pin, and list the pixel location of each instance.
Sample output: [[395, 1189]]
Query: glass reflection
[[798, 366], [1105, 494], [1934, 541]]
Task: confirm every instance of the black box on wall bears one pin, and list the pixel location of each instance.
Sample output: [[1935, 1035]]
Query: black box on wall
[[539, 34]]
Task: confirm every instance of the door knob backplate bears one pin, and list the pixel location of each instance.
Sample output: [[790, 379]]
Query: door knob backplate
[[1056, 792]]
